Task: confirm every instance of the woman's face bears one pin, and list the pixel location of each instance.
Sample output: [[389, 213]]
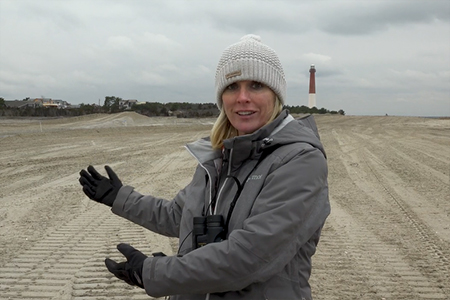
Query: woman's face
[[248, 105]]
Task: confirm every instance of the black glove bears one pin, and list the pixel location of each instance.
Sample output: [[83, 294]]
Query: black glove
[[129, 271], [98, 187]]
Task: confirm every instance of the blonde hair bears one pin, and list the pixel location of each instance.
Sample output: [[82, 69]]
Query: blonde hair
[[223, 129]]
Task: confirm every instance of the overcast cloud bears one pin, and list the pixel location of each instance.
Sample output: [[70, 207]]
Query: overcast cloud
[[372, 57]]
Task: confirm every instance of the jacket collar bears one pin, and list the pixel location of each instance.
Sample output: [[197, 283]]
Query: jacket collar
[[243, 147], [251, 146]]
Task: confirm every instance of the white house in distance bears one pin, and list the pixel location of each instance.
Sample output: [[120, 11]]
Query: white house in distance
[[127, 104]]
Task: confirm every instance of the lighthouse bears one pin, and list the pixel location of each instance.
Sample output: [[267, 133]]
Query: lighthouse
[[312, 87]]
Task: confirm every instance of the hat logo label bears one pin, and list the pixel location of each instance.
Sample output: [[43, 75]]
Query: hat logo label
[[233, 74]]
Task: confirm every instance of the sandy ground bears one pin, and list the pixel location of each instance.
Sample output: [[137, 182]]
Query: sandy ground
[[388, 236]]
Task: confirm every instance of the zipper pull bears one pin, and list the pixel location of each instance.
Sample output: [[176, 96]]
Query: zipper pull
[[267, 141]]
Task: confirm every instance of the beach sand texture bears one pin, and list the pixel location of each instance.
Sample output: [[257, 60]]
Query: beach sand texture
[[388, 236]]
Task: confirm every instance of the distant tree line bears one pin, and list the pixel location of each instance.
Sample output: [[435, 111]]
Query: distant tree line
[[180, 110], [40, 111], [314, 110], [151, 109], [112, 104]]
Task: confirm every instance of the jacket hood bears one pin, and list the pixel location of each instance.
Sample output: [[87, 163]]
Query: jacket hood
[[303, 129], [282, 131]]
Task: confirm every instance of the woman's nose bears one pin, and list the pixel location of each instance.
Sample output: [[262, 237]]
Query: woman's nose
[[243, 94]]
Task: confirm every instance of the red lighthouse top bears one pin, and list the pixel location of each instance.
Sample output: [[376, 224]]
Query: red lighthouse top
[[312, 80]]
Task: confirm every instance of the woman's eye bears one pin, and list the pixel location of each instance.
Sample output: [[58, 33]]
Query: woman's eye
[[257, 85], [231, 86]]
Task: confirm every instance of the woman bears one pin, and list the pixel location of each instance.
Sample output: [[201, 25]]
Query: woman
[[250, 220]]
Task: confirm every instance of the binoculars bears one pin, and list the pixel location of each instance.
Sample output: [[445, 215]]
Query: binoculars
[[207, 230]]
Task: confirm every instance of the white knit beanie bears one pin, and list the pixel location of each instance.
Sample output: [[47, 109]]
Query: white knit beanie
[[250, 59]]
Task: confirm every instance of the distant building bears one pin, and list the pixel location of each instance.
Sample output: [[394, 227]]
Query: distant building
[[21, 103], [61, 103], [37, 102], [48, 102], [127, 104]]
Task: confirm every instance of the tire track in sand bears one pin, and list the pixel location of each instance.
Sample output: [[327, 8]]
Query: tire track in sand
[[68, 263], [376, 246], [430, 255]]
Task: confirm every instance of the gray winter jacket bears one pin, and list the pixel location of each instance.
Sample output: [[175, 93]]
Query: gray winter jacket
[[273, 230]]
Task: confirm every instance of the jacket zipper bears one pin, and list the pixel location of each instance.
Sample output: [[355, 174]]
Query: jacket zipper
[[216, 204]]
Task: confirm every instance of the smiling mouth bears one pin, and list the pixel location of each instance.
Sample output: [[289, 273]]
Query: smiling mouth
[[245, 113]]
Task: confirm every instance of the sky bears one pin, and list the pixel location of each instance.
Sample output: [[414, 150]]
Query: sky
[[372, 57]]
